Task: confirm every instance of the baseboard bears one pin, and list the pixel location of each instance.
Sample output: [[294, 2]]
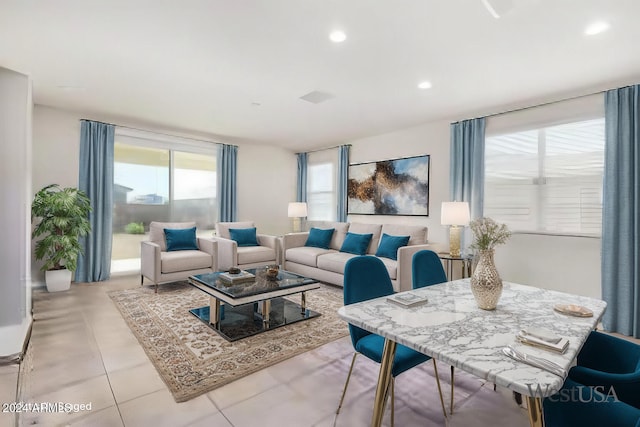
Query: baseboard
[[14, 340], [37, 284]]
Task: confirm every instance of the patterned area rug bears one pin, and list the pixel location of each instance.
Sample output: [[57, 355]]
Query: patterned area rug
[[192, 359]]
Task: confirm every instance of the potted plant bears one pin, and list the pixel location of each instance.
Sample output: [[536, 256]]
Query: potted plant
[[62, 216]]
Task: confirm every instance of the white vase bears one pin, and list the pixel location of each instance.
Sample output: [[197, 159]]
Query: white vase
[[57, 280], [486, 283]]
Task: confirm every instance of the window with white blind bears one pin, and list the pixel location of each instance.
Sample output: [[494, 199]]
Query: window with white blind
[[320, 192], [547, 180], [322, 168]]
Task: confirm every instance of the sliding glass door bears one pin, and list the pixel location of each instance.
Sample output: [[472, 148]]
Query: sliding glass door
[[159, 184]]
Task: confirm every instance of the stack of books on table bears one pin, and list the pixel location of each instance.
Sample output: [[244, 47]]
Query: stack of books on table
[[407, 300], [235, 278]]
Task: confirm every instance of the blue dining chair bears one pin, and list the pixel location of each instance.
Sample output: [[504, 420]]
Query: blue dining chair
[[578, 405], [608, 361], [365, 278], [427, 270]]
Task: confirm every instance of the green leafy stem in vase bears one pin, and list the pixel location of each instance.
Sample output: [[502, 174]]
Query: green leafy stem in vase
[[488, 234]]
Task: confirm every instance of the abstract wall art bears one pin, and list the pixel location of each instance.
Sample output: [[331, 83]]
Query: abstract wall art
[[389, 187]]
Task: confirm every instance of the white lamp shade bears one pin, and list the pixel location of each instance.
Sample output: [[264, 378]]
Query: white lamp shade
[[297, 210], [454, 213]]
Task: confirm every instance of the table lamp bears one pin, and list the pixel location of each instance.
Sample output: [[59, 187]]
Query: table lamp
[[296, 211], [455, 214]]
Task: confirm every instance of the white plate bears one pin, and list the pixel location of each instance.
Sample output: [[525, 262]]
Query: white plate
[[573, 310]]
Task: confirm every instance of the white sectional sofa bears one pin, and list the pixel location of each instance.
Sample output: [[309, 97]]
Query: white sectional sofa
[[327, 265]]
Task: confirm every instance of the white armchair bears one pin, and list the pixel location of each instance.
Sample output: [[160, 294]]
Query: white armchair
[[162, 266], [232, 255]]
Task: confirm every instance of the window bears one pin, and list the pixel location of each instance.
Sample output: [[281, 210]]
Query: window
[[159, 180], [322, 167], [548, 179], [320, 195]]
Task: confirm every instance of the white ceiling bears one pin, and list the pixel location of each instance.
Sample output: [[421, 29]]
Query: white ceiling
[[202, 65]]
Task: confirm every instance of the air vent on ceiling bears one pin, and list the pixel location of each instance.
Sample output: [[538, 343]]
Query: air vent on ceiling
[[316, 97]]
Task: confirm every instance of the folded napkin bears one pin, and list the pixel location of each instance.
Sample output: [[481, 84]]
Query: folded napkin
[[542, 333], [545, 341]]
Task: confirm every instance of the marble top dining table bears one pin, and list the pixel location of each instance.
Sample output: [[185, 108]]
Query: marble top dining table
[[452, 329]]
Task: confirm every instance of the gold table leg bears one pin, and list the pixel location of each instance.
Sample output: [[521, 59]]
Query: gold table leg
[[384, 378], [452, 390], [266, 308], [534, 407], [303, 302], [214, 311]]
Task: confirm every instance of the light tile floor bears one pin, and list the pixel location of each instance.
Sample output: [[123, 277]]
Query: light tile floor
[[83, 352]]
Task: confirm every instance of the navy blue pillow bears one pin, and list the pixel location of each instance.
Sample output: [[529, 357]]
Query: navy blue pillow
[[182, 239], [319, 238], [389, 245], [244, 236], [356, 243]]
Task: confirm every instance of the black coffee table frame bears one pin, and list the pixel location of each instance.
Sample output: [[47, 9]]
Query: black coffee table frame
[[242, 310]]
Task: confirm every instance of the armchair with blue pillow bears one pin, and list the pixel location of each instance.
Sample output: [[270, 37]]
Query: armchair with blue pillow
[[240, 245], [173, 252]]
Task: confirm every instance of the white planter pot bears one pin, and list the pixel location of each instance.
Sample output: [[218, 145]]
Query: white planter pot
[[57, 280]]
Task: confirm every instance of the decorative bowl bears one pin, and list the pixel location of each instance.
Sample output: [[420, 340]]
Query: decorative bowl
[[272, 271]]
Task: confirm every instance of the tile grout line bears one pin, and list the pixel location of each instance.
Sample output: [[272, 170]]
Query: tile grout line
[[95, 341]]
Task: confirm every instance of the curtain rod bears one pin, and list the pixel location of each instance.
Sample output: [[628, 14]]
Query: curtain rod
[[537, 105], [152, 131], [324, 149]]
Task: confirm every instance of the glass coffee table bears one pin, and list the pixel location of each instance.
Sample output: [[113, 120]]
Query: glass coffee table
[[241, 310]]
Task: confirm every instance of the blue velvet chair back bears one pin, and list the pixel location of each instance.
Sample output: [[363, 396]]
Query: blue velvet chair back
[[609, 361], [427, 269], [365, 278], [577, 405]]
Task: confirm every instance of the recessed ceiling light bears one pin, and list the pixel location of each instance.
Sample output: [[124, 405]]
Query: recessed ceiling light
[[424, 85], [596, 28], [337, 36]]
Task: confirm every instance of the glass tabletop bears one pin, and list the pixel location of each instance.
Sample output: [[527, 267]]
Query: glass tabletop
[[261, 284], [447, 256]]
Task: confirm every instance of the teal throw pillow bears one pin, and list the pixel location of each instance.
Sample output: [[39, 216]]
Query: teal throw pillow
[[182, 239], [389, 245], [244, 236], [319, 238], [356, 243]]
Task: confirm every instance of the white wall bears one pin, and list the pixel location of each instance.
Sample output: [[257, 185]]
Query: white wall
[[562, 263], [266, 184], [15, 195], [266, 174], [431, 139], [56, 138]]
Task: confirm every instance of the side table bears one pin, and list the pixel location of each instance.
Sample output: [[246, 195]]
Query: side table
[[449, 261]]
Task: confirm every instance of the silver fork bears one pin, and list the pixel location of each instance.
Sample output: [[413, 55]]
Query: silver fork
[[538, 362]]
